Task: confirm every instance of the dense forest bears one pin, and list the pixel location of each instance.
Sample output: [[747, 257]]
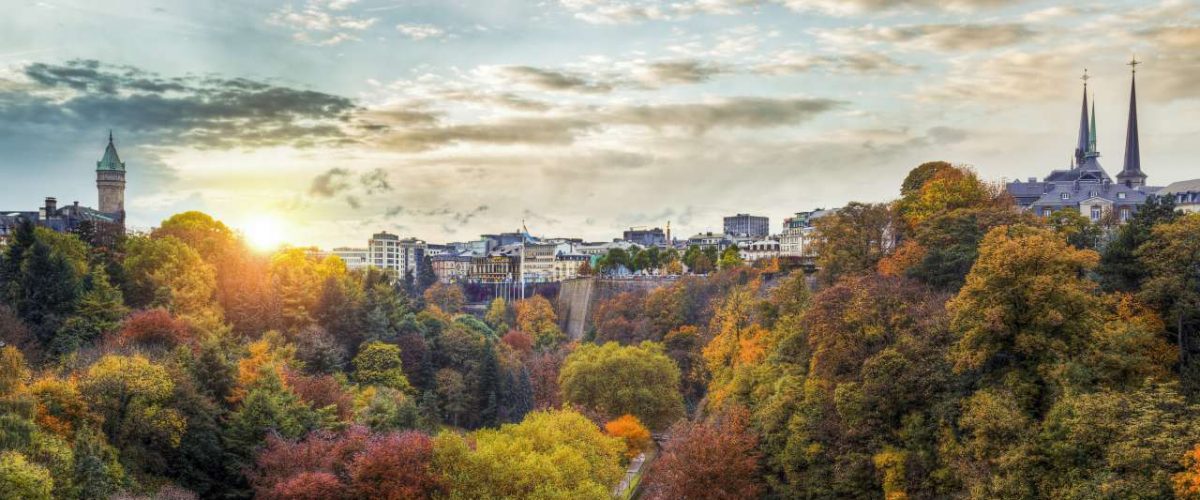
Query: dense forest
[[948, 346]]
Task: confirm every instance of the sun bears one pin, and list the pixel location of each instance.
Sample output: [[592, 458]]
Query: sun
[[264, 232]]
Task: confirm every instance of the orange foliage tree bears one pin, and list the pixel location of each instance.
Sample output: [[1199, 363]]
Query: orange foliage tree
[[631, 430]]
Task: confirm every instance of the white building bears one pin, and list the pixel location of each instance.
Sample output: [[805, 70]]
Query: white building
[[391, 253], [761, 249], [355, 258], [798, 234], [1185, 193], [600, 249]]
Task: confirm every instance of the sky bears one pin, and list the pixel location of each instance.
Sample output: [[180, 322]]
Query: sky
[[446, 119]]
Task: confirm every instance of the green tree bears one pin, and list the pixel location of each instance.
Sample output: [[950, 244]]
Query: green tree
[[731, 257], [165, 272], [1079, 231], [497, 313], [47, 291], [380, 364], [1171, 280], [100, 311], [615, 380], [98, 473], [132, 394], [1120, 268], [21, 480]]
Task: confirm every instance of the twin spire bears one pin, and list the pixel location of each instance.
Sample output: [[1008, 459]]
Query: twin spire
[[1131, 173]]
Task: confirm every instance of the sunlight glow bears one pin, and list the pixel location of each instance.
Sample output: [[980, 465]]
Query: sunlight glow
[[264, 232]]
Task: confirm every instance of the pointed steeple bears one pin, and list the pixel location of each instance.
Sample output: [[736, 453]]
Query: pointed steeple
[[1131, 174], [111, 160], [1092, 130], [1081, 147]]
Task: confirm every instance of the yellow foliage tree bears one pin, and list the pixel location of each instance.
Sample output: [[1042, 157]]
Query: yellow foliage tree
[[536, 317]]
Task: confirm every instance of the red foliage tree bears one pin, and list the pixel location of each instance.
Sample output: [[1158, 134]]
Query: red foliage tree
[[543, 372], [519, 341], [154, 328], [621, 318], [321, 391], [307, 486], [321, 452], [396, 466], [712, 460]]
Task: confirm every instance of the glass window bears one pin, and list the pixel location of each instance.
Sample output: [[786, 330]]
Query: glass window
[[1065, 196], [1096, 213], [1121, 196]]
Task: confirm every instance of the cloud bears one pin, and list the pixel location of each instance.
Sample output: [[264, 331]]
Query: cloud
[[635, 11], [318, 22], [657, 74], [941, 37], [1006, 77], [545, 79], [853, 7], [564, 129], [737, 112], [375, 181], [1173, 68], [444, 213], [331, 183], [420, 31], [615, 11], [201, 111], [860, 63], [519, 130]]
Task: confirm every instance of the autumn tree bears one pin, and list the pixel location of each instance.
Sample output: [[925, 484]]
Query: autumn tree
[[715, 459], [1025, 304], [155, 328], [621, 318], [132, 394], [536, 317], [396, 465], [556, 454], [629, 429], [1172, 277], [615, 380], [447, 297], [853, 239]]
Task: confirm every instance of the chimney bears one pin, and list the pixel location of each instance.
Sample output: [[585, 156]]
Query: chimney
[[51, 207]]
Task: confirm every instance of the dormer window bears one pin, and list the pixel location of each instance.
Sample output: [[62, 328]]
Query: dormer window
[[1065, 196], [1121, 195]]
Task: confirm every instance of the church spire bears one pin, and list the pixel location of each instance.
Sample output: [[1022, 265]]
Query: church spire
[[1092, 129], [1081, 147], [1132, 175]]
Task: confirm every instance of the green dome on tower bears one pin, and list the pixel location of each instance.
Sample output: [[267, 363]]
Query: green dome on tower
[[110, 161]]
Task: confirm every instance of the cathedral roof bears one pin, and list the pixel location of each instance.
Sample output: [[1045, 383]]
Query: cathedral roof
[[110, 161]]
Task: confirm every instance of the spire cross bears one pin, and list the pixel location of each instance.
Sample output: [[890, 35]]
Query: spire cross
[[1133, 64], [1085, 76]]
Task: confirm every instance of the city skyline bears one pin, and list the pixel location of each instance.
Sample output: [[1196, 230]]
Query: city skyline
[[582, 118]]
